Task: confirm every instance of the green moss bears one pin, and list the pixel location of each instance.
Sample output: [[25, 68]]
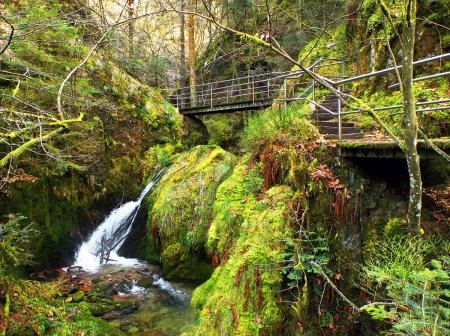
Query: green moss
[[181, 208], [274, 124], [395, 227], [241, 296], [36, 312]]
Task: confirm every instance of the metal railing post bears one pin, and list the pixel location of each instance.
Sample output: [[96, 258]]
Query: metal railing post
[[253, 89], [339, 118], [285, 95], [313, 87], [343, 74], [211, 95]]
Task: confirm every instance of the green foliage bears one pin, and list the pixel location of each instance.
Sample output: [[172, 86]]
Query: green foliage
[[431, 122], [400, 272], [264, 127], [314, 248], [36, 312], [15, 238], [224, 129], [160, 156]]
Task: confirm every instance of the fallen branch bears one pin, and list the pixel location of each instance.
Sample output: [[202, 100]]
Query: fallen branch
[[354, 306]]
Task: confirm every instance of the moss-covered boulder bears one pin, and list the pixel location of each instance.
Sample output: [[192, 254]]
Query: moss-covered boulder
[[181, 211], [249, 234]]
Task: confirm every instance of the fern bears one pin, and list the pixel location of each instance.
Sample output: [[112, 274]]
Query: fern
[[418, 286]]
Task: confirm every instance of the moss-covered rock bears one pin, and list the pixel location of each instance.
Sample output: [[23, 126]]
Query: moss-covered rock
[[181, 210], [249, 233]]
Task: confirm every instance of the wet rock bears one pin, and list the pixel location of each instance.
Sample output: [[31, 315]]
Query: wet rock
[[133, 330], [78, 296], [154, 332], [73, 290], [146, 282], [117, 312], [100, 309], [154, 269]]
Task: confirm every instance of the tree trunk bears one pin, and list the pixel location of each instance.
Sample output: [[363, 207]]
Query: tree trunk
[[130, 29], [182, 52], [191, 47], [410, 120]]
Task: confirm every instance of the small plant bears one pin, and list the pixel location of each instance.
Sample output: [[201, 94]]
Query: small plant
[[401, 271]]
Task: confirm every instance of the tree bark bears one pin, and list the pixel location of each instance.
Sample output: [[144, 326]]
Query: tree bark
[[130, 28], [191, 47], [182, 51], [410, 119]]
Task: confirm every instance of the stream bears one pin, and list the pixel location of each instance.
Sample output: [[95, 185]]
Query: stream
[[129, 293]]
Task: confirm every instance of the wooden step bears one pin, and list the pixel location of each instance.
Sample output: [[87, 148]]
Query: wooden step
[[335, 130], [322, 110], [335, 123], [325, 116], [331, 100], [344, 136]]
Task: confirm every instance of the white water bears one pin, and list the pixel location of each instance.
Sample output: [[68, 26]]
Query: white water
[[175, 292], [88, 256]]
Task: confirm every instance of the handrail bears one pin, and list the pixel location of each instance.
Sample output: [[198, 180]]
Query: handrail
[[388, 70], [440, 74], [280, 74], [393, 107]]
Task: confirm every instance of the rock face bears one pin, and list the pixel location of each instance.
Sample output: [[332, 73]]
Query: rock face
[[180, 211]]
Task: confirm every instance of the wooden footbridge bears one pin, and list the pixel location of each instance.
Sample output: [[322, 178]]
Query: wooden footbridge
[[257, 91]]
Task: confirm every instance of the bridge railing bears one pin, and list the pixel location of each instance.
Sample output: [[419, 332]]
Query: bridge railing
[[285, 87], [253, 88], [340, 85]]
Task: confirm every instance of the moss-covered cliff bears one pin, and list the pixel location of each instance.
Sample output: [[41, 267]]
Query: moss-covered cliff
[[180, 211]]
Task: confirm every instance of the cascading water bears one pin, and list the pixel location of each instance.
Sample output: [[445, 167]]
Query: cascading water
[[107, 239], [163, 307]]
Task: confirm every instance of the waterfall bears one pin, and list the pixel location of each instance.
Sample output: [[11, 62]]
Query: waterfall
[[106, 240]]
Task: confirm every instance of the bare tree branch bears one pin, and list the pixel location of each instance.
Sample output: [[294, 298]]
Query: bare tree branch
[[11, 34], [430, 144], [350, 303]]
